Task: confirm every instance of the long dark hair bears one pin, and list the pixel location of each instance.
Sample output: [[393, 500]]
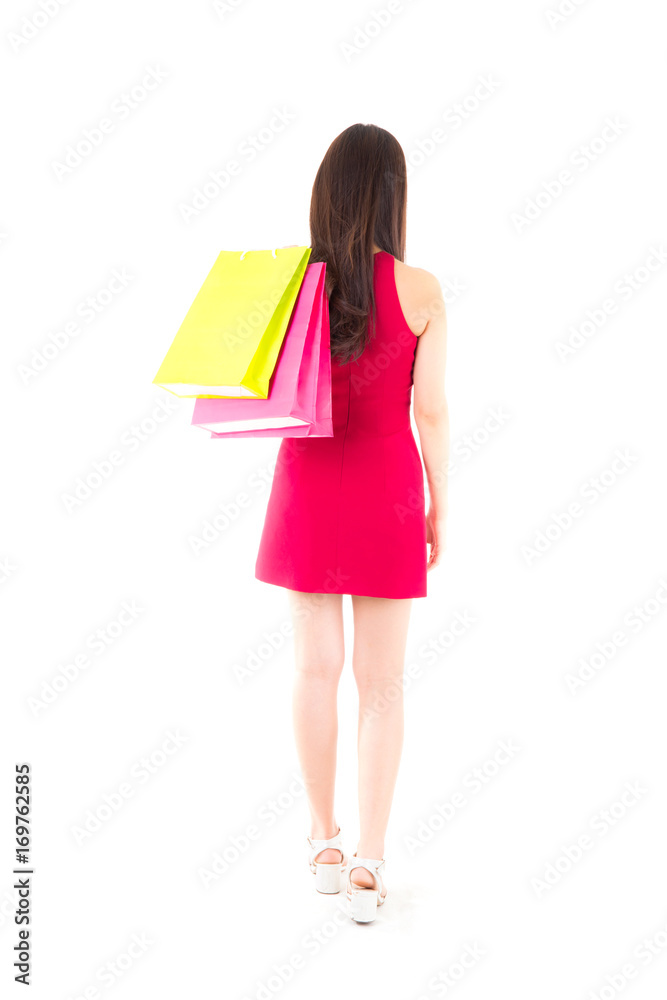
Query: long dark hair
[[359, 198]]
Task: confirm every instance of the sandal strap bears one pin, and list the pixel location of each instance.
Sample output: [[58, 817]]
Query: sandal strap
[[316, 846], [373, 865]]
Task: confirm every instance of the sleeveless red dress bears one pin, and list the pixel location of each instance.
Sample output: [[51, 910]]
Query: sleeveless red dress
[[346, 514]]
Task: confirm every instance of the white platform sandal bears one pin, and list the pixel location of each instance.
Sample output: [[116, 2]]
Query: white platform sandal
[[327, 875], [362, 902]]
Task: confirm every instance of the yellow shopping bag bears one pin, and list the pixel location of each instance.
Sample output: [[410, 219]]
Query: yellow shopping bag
[[229, 341]]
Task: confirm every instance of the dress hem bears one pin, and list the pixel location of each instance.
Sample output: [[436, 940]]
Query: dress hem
[[334, 590]]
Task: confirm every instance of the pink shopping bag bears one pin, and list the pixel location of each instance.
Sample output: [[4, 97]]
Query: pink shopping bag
[[299, 399]]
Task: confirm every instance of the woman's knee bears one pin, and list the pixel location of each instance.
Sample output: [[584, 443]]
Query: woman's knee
[[375, 678], [320, 665], [319, 647]]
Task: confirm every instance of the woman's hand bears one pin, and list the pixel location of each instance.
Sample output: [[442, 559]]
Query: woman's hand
[[436, 538]]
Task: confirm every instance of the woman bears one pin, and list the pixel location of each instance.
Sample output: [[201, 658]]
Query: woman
[[346, 514]]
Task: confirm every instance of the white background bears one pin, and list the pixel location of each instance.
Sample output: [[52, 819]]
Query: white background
[[514, 292]]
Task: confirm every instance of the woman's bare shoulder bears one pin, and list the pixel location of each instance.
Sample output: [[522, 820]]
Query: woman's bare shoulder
[[419, 293]]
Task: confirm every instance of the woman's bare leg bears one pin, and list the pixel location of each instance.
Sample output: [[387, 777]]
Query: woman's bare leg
[[319, 653], [380, 637]]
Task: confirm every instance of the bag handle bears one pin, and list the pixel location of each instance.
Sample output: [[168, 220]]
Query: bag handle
[[250, 251]]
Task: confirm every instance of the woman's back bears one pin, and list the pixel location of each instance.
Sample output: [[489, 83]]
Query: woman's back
[[346, 513], [372, 395]]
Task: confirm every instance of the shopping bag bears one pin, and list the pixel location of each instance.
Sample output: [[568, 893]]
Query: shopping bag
[[230, 339], [302, 376], [322, 424]]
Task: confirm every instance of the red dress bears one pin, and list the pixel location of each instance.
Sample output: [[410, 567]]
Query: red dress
[[346, 513]]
